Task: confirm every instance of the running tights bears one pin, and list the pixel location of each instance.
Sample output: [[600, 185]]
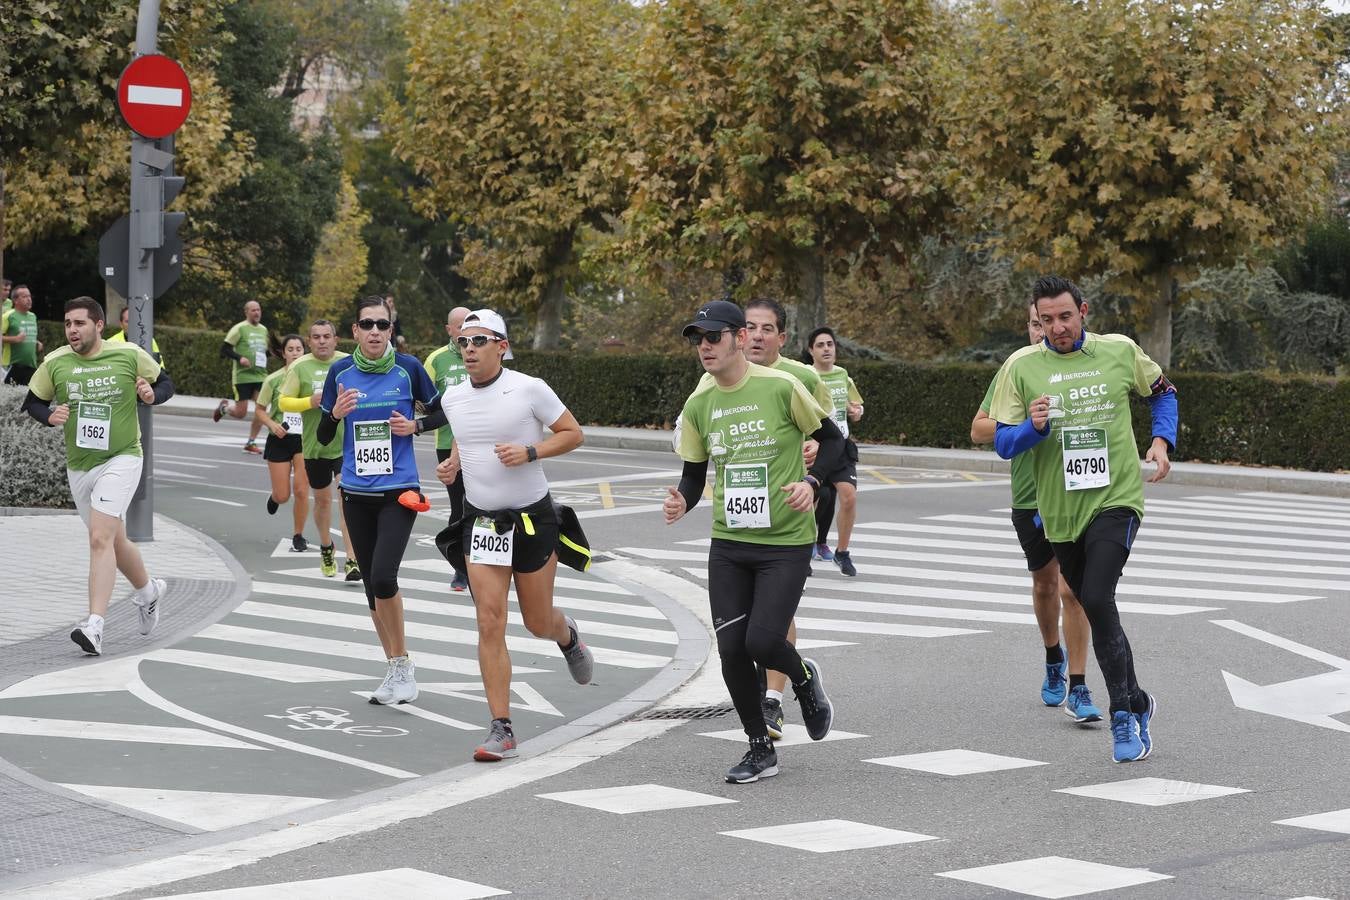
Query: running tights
[[379, 527]]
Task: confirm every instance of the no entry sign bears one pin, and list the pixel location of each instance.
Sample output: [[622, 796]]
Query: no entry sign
[[154, 96]]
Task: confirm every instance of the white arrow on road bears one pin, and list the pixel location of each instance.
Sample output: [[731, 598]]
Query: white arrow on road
[[1313, 700]]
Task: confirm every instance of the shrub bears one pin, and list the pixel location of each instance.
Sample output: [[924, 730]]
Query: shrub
[[32, 456]]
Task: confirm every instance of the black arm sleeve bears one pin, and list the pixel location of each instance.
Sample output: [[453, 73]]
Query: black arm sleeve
[[435, 419], [692, 480], [229, 352], [163, 387], [328, 429], [830, 456], [36, 407]]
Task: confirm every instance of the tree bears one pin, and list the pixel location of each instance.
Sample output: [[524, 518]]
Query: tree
[[353, 36], [784, 138], [510, 104], [1142, 141], [340, 263]]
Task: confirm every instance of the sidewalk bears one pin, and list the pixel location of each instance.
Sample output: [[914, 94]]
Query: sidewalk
[[1239, 478]]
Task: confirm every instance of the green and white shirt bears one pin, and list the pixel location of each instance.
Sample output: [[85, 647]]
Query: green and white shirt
[[753, 433], [807, 375], [842, 392], [1023, 478], [305, 376], [101, 392], [23, 353], [249, 341], [1090, 461], [445, 365]]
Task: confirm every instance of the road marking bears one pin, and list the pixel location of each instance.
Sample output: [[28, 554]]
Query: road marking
[[526, 697], [927, 612], [651, 475], [1264, 514], [1337, 821], [1055, 876], [118, 731], [1312, 700], [875, 473], [1152, 791], [606, 496], [955, 762], [254, 668], [162, 470], [1298, 499], [593, 584], [389, 883], [222, 502], [1187, 534], [829, 836], [420, 713], [207, 810], [636, 798], [851, 626]]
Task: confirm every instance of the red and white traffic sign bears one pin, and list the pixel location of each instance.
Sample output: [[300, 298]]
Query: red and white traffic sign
[[154, 95]]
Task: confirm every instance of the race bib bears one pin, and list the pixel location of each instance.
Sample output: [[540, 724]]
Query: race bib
[[374, 450], [841, 419], [487, 547], [93, 423], [745, 495], [260, 358], [1086, 464], [294, 422]]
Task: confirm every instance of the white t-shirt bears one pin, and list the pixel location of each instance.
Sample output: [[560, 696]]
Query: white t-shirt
[[514, 409]]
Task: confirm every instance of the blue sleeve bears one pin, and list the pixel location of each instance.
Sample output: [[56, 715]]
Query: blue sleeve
[[1164, 409], [1010, 440], [329, 397]]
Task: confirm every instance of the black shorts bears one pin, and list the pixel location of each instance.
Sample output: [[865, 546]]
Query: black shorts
[[847, 472], [246, 390], [321, 472], [280, 450], [529, 552], [1118, 525], [1031, 534]]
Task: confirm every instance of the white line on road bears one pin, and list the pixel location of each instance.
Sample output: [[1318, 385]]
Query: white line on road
[[221, 502], [117, 731]]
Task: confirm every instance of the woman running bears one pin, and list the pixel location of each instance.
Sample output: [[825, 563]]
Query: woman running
[[285, 464]]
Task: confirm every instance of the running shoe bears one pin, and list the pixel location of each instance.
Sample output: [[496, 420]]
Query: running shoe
[[298, 543], [773, 717], [353, 571], [404, 681], [845, 563], [384, 694], [252, 447], [327, 563], [760, 761], [1145, 721], [460, 582], [817, 711], [1126, 745], [272, 506], [1079, 706], [219, 412], [89, 639], [580, 662], [822, 552], [1056, 683], [500, 743], [149, 609]]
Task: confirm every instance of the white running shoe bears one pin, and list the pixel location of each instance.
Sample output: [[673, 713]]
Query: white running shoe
[[404, 682], [89, 639], [384, 694], [149, 610]]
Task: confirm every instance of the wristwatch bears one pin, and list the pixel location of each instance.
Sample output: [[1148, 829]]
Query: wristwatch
[[530, 453], [417, 426]]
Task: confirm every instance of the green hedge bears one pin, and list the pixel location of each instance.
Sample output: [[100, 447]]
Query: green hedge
[[32, 457], [1249, 418]]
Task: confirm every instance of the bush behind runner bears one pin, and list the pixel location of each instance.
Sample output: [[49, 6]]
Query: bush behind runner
[[32, 457]]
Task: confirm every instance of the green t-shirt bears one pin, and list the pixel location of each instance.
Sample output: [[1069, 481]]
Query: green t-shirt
[[446, 368], [249, 341], [807, 375], [101, 392], [4, 329], [23, 353], [1090, 461], [305, 376], [1023, 478], [753, 434], [269, 395], [842, 391], [121, 338]]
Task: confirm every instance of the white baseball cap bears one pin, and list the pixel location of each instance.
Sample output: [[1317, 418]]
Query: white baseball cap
[[486, 318]]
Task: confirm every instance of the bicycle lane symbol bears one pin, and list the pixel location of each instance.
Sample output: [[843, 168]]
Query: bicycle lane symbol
[[329, 718]]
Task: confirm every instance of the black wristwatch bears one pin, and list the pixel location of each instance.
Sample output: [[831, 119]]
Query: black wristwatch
[[531, 454], [417, 426]]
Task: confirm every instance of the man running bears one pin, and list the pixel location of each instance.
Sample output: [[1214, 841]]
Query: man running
[[21, 338], [846, 406], [369, 397], [752, 421], [510, 530], [1049, 593], [96, 386], [121, 336], [301, 391], [1090, 494], [445, 365], [284, 449], [247, 345]]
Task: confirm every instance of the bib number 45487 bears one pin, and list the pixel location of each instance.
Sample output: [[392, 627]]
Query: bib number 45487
[[745, 495]]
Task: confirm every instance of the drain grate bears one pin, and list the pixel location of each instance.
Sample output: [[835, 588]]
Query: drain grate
[[685, 712]]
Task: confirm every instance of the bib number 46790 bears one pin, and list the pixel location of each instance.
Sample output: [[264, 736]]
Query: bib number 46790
[[1086, 462]]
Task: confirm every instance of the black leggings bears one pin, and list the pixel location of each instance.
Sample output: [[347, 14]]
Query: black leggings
[[1092, 566], [824, 512], [754, 590], [379, 527]]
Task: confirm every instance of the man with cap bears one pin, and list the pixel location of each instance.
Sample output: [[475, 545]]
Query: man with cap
[[751, 421], [504, 423]]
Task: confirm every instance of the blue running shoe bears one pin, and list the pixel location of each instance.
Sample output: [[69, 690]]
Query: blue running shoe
[[822, 552], [1125, 737], [1056, 683], [1080, 708], [1145, 720]]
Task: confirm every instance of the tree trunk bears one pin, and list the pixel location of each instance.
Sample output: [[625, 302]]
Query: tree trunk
[[548, 320], [2, 220], [810, 307], [1156, 335]]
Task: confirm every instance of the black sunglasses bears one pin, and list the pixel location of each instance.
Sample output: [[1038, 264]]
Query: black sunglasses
[[478, 340], [713, 337], [367, 324]]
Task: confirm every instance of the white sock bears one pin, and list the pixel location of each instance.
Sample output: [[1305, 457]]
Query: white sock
[[774, 695], [146, 591], [95, 623]]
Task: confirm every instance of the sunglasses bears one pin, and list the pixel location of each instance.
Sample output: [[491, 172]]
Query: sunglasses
[[478, 340], [712, 337], [367, 324]]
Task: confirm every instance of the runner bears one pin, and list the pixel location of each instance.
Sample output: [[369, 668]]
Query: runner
[[752, 421], [20, 338], [247, 344], [1049, 593], [121, 336], [369, 398], [846, 406], [103, 383], [284, 449], [504, 424], [300, 392], [1089, 489], [445, 365]]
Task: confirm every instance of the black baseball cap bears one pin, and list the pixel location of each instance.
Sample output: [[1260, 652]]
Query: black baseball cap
[[716, 316]]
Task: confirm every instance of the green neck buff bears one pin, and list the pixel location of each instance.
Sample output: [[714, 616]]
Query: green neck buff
[[377, 366]]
